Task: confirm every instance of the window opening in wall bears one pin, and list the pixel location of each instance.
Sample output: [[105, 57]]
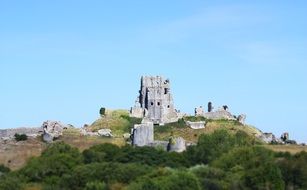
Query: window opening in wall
[[165, 90]]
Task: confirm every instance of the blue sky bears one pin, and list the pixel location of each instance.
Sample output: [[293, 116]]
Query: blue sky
[[63, 60]]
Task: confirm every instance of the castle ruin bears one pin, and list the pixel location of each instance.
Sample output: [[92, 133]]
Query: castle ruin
[[155, 101]]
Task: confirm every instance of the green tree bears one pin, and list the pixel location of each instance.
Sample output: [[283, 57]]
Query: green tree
[[57, 160], [102, 111], [256, 167], [101, 153], [96, 185], [294, 170], [210, 178], [10, 182], [4, 170], [212, 146], [108, 172], [166, 179]]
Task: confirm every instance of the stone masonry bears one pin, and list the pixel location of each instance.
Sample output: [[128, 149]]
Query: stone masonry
[[155, 101], [142, 134]]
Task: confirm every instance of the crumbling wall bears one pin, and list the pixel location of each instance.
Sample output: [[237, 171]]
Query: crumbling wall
[[219, 114], [142, 134], [176, 144], [155, 101], [52, 130]]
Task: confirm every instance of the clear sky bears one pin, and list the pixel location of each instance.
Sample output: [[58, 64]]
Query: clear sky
[[63, 60]]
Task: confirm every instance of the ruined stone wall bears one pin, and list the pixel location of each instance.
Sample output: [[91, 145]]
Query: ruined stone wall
[[142, 134], [155, 101], [219, 114]]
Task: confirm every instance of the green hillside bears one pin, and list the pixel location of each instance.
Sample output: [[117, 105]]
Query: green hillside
[[120, 122]]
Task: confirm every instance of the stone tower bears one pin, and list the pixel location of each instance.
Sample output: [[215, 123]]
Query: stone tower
[[155, 101]]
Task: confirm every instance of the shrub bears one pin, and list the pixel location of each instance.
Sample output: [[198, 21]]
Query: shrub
[[107, 172], [166, 179], [4, 169], [102, 111], [209, 177], [10, 182], [254, 166], [212, 146], [56, 161], [101, 153], [294, 169], [96, 185], [20, 137]]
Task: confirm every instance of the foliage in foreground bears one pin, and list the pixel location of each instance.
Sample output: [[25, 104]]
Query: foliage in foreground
[[219, 161]]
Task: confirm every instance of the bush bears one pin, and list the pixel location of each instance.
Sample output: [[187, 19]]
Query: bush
[[56, 161], [4, 170], [294, 169], [101, 153], [20, 137], [210, 178], [212, 146], [107, 172], [102, 111], [96, 185], [254, 166], [10, 182], [166, 179], [150, 156]]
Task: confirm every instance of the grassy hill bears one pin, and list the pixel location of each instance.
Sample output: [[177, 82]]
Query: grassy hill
[[120, 122], [116, 120], [15, 154]]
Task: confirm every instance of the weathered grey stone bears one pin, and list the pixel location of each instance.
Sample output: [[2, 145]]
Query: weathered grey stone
[[219, 114], [155, 101], [267, 137], [142, 134], [196, 125], [199, 111], [160, 145], [105, 132], [285, 136], [241, 118], [137, 111], [52, 130], [47, 137], [126, 136], [176, 144], [85, 132], [30, 132]]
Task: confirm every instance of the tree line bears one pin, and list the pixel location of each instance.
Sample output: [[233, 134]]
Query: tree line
[[218, 161]]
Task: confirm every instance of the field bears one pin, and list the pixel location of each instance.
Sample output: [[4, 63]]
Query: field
[[16, 154], [287, 148]]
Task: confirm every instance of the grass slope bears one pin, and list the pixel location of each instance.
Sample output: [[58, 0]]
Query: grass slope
[[15, 154], [191, 135], [116, 120]]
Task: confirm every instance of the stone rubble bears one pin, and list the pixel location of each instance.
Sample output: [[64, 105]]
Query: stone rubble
[[105, 132], [176, 144], [196, 125], [52, 130]]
